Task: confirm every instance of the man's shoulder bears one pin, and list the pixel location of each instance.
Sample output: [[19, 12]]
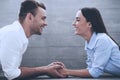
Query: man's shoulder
[[9, 28]]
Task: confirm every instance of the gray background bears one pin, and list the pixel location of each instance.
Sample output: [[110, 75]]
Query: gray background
[[58, 41]]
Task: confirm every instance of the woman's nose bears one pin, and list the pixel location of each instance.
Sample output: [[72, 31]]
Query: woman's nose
[[73, 23]]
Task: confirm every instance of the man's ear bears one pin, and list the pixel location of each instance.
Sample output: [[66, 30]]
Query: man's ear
[[29, 17]]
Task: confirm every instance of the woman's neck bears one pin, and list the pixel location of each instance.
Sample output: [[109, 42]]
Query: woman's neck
[[87, 36]]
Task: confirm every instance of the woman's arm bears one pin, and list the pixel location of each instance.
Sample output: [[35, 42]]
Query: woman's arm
[[76, 73]]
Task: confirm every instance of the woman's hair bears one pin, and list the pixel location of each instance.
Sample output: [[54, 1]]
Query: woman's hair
[[93, 16]]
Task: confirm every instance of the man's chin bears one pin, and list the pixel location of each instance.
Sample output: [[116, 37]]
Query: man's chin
[[39, 33]]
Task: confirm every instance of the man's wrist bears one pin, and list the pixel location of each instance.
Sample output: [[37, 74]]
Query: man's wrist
[[42, 70]]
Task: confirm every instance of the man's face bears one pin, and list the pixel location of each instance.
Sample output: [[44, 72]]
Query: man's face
[[39, 21]]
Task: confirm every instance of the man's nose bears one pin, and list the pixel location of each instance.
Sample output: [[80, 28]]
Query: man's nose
[[45, 23]]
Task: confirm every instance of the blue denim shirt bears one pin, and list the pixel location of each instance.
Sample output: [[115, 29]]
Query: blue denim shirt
[[103, 55]]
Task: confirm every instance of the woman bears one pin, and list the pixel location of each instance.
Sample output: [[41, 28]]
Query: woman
[[103, 54]]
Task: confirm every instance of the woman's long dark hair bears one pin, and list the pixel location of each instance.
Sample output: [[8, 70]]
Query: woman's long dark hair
[[93, 16]]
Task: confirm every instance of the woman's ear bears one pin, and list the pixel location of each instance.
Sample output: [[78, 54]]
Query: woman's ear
[[89, 24]]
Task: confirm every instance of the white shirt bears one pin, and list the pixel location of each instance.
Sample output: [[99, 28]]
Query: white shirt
[[13, 43], [103, 55]]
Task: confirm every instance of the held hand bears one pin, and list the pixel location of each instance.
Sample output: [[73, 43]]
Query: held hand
[[53, 70], [63, 72], [57, 63]]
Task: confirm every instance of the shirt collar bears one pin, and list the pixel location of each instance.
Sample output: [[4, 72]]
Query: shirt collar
[[22, 32], [92, 42]]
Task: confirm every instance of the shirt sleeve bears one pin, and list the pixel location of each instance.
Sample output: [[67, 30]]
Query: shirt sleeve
[[100, 58], [11, 57]]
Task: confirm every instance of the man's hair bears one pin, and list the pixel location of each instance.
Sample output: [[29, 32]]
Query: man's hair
[[29, 6]]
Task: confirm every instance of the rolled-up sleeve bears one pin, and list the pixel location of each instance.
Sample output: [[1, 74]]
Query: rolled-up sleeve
[[95, 72], [101, 55], [11, 73], [10, 57]]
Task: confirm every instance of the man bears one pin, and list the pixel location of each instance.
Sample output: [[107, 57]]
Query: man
[[14, 41]]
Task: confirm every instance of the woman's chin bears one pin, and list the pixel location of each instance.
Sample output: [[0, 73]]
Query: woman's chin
[[76, 33]]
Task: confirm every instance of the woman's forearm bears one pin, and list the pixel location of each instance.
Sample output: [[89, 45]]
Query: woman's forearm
[[77, 73]]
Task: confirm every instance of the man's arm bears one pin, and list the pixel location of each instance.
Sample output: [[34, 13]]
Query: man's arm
[[50, 70], [27, 72]]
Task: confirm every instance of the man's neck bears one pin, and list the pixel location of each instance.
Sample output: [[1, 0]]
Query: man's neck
[[26, 28]]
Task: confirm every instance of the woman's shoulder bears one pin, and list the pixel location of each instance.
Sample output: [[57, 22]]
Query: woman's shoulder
[[103, 37]]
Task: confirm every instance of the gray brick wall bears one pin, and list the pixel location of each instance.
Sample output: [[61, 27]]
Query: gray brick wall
[[58, 42]]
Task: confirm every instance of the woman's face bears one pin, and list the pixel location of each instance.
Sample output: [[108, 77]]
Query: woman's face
[[80, 24]]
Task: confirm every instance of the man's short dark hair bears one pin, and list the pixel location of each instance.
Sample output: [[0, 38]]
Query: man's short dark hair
[[29, 6]]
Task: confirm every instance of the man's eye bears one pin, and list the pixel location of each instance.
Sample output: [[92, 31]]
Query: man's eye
[[78, 20], [43, 19]]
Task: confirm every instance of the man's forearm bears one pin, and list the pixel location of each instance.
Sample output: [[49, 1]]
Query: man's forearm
[[27, 72]]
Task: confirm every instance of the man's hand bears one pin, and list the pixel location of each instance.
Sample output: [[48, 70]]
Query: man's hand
[[57, 63]]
